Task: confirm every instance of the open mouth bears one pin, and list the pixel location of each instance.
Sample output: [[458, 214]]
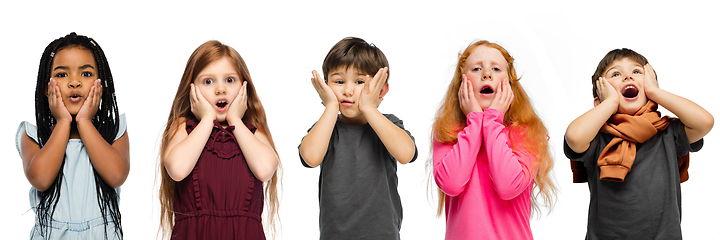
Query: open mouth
[[486, 90], [630, 91], [221, 105], [75, 97]]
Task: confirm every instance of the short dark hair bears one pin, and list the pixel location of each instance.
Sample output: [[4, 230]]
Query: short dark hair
[[357, 53], [611, 57]]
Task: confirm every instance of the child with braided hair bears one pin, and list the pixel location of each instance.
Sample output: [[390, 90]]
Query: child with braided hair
[[77, 155]]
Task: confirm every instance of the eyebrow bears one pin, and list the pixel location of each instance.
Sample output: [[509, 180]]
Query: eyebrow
[[86, 66], [61, 67], [81, 67]]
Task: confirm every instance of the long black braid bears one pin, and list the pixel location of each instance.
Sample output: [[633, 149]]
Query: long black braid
[[105, 121]]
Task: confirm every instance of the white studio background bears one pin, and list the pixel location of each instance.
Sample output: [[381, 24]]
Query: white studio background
[[557, 47]]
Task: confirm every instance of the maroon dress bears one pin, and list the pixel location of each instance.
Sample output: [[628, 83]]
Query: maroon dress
[[221, 198]]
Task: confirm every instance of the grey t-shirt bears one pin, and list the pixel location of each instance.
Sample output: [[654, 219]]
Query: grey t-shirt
[[647, 204], [358, 185]]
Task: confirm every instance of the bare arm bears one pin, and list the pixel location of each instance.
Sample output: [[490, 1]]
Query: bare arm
[[41, 165], [583, 129], [314, 146], [112, 162], [256, 148], [184, 149], [698, 121], [397, 141], [260, 156]]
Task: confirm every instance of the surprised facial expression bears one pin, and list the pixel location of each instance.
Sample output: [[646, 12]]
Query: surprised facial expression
[[628, 79], [75, 70], [347, 84], [486, 69], [219, 84]]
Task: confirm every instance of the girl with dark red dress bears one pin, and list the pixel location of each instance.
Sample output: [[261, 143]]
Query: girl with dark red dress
[[217, 152]]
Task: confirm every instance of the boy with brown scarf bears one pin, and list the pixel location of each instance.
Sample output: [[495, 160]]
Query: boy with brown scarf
[[630, 156]]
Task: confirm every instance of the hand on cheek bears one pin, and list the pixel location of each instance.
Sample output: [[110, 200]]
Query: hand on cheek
[[200, 107], [91, 104], [57, 107], [606, 92], [466, 96], [326, 93], [651, 84], [370, 95], [238, 107], [503, 97]]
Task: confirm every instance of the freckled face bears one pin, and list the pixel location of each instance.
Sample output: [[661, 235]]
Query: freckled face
[[219, 84], [75, 70], [486, 68]]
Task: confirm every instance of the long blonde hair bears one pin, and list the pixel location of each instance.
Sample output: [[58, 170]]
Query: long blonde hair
[[450, 119], [254, 115]]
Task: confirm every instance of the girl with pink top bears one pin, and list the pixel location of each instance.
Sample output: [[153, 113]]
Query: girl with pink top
[[489, 148]]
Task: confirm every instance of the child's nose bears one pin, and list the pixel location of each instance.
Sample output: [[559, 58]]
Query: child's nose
[[628, 78], [220, 89], [487, 75], [74, 83], [348, 90]]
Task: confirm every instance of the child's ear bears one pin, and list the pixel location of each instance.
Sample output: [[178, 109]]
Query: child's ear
[[384, 90], [596, 101]]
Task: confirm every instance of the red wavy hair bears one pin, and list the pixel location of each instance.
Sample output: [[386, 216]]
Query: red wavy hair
[[450, 120]]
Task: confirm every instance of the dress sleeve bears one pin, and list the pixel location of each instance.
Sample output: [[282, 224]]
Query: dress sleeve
[[25, 128], [511, 171], [453, 164], [122, 126]]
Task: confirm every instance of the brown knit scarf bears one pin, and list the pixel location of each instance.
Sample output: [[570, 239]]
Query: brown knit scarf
[[617, 158]]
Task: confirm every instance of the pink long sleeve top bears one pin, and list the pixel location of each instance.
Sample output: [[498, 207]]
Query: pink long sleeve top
[[488, 185]]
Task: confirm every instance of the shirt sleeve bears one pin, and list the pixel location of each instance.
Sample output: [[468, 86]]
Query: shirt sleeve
[[301, 158], [453, 164], [682, 144], [511, 171], [399, 123]]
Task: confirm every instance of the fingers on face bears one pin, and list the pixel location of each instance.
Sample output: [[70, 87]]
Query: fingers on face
[[244, 91], [315, 80], [193, 94], [461, 92], [98, 88]]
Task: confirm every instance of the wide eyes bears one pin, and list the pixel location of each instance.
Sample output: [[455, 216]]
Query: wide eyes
[[61, 75], [210, 81], [86, 74]]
